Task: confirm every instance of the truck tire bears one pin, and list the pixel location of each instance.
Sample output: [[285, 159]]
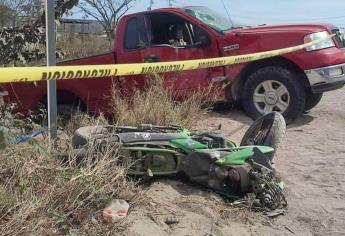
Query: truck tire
[[66, 111], [64, 114], [268, 130], [271, 89], [312, 100]]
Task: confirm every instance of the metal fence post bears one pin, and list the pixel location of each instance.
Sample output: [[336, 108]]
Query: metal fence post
[[51, 61]]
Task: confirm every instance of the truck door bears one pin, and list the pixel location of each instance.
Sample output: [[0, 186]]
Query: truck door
[[130, 46], [161, 37], [172, 38]]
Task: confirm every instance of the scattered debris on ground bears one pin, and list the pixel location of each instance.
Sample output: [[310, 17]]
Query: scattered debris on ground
[[116, 210]]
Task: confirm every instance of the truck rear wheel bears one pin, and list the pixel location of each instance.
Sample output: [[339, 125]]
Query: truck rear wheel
[[273, 89], [66, 111], [312, 100]]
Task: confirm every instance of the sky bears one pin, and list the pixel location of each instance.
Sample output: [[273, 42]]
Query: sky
[[255, 12]]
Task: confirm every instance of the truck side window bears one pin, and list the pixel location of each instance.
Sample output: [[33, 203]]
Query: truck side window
[[172, 30], [136, 34], [199, 35], [169, 29]]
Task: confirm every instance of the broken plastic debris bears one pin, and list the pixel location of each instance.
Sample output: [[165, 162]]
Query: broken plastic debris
[[116, 210], [149, 172], [32, 134], [281, 185], [171, 220]]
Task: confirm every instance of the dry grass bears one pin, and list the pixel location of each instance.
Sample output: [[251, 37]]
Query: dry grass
[[81, 119], [44, 194], [156, 105], [40, 194], [77, 47], [72, 48]]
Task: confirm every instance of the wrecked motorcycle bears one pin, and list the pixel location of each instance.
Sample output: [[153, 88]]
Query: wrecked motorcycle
[[205, 158]]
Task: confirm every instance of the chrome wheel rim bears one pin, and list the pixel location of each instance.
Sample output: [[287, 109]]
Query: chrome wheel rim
[[271, 95]]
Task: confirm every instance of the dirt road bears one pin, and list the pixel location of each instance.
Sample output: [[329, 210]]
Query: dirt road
[[311, 161]]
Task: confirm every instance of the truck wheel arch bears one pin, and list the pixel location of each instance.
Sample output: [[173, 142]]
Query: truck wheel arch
[[65, 97], [233, 92]]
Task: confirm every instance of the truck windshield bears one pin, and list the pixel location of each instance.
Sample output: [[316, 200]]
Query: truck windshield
[[210, 17]]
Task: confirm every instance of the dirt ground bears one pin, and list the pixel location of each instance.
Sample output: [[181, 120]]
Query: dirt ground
[[311, 161]]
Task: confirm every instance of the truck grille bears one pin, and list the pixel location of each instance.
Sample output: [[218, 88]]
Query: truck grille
[[339, 37]]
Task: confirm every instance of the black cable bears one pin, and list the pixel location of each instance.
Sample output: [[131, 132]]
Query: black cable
[[227, 12]]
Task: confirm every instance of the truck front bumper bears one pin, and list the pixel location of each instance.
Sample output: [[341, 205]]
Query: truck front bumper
[[326, 78]]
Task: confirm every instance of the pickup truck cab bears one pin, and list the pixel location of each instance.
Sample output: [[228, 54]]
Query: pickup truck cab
[[290, 83]]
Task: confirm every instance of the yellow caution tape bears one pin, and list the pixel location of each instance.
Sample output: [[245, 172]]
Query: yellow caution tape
[[28, 74]]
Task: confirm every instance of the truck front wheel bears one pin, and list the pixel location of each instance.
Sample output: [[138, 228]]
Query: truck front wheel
[[273, 89], [312, 100]]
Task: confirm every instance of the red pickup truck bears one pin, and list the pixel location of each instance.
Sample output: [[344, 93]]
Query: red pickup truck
[[290, 83]]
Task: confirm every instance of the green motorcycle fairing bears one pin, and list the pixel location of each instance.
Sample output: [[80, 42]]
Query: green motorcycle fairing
[[188, 144], [237, 155], [242, 154]]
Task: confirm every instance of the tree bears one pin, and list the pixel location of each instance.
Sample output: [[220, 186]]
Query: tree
[[20, 9], [5, 13], [17, 9], [25, 43], [106, 12]]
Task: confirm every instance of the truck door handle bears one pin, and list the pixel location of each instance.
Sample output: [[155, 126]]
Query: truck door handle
[[152, 58]]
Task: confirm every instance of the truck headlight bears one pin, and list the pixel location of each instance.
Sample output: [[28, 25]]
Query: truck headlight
[[328, 43]]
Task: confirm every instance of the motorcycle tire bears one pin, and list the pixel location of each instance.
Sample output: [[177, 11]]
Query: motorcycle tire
[[82, 135], [268, 130]]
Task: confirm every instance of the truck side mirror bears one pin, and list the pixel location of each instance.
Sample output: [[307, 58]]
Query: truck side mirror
[[202, 39]]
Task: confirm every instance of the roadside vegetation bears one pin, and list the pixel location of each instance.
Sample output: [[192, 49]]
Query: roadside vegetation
[[156, 105], [47, 193], [83, 46], [44, 192]]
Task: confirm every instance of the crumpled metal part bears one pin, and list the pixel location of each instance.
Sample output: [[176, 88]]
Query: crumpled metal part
[[267, 190], [266, 196]]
